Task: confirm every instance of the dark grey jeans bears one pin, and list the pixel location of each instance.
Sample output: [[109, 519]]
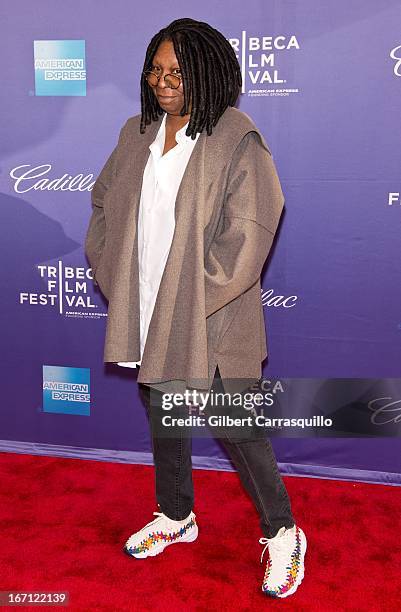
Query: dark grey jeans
[[252, 455]]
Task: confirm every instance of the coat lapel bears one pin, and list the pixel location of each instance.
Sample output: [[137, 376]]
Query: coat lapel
[[134, 166], [123, 327]]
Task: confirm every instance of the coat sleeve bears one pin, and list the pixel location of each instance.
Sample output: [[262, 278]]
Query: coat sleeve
[[95, 235], [251, 212]]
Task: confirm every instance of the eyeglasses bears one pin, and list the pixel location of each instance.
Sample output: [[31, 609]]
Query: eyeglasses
[[172, 80]]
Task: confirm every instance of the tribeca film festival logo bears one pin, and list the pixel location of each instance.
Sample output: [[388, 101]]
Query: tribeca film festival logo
[[59, 67], [66, 390], [257, 57], [66, 288]]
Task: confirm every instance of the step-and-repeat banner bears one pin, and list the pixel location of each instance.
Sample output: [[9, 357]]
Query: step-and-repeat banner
[[322, 81]]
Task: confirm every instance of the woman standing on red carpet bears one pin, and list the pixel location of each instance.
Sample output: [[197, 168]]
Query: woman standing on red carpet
[[185, 211]]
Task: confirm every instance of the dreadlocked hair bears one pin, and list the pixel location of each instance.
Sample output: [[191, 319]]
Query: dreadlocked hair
[[211, 75]]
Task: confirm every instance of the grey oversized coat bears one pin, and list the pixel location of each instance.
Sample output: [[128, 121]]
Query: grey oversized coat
[[208, 309]]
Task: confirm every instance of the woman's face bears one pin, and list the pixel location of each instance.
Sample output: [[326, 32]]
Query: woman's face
[[165, 62]]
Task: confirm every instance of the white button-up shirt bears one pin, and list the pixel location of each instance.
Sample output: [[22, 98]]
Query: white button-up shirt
[[156, 222]]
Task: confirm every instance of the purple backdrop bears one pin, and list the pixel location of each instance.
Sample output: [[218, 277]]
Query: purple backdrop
[[322, 82]]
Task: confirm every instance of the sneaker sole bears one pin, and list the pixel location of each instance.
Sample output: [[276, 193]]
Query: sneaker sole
[[300, 576], [156, 550]]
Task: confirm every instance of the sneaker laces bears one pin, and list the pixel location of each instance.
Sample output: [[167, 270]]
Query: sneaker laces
[[274, 546], [156, 520], [170, 522], [160, 514]]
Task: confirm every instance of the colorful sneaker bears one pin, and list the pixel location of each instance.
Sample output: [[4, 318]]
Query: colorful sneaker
[[285, 566], [159, 533]]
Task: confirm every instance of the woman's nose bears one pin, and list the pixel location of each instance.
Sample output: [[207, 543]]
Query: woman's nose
[[162, 83]]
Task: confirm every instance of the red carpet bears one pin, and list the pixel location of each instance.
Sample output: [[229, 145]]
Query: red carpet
[[64, 522]]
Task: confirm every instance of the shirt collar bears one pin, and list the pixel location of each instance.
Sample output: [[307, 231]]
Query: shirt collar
[[180, 136]]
